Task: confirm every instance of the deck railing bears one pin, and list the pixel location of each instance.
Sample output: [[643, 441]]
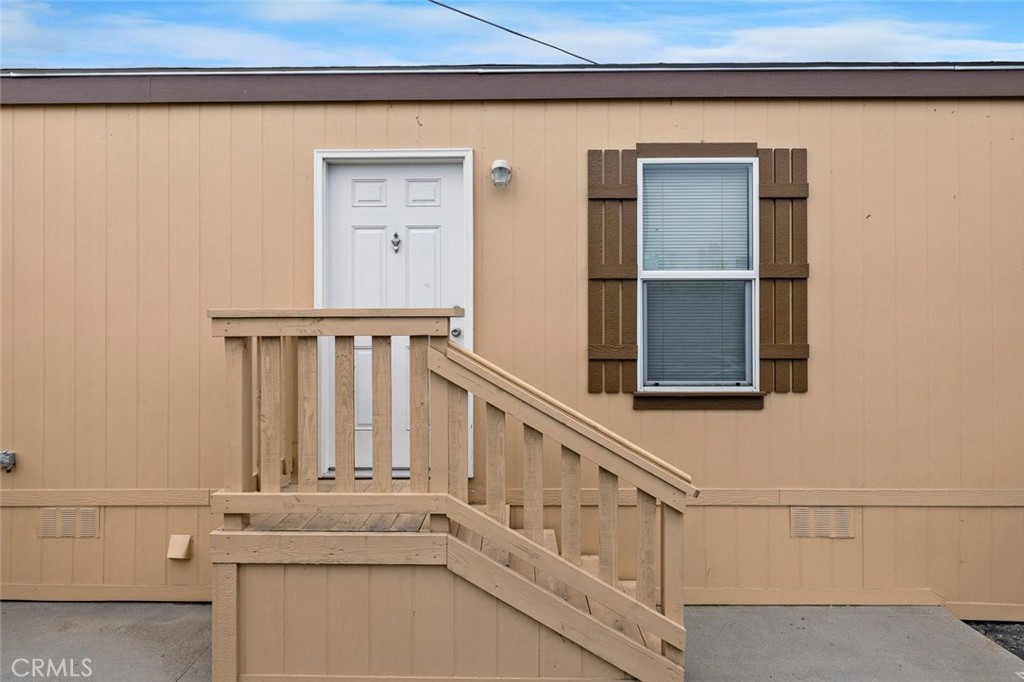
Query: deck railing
[[273, 435]]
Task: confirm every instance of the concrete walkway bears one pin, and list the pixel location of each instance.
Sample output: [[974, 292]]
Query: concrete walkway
[[841, 643], [171, 643], [122, 642]]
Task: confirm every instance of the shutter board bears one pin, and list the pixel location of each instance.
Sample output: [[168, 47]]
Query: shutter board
[[627, 328], [783, 288], [766, 243], [612, 271], [595, 258], [799, 166], [784, 269], [612, 288]]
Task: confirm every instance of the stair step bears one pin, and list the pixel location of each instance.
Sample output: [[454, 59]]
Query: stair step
[[591, 564], [469, 537], [545, 580]]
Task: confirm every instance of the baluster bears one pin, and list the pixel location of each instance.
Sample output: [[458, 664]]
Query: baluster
[[419, 432], [672, 573], [344, 414], [306, 395], [381, 414], [458, 442], [608, 520], [289, 431], [238, 360], [533, 484], [257, 402], [270, 414], [570, 505], [438, 473], [646, 576], [496, 464]]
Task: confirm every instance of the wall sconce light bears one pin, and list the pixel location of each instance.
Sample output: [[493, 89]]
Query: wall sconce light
[[501, 173]]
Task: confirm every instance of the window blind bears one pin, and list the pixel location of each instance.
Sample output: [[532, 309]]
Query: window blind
[[696, 217], [696, 332]]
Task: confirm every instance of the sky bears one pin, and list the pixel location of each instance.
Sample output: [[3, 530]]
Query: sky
[[255, 33]]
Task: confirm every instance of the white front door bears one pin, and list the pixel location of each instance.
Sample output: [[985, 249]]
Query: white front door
[[396, 234]]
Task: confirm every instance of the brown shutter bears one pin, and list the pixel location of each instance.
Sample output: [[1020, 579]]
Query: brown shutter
[[612, 267], [611, 218], [784, 269]]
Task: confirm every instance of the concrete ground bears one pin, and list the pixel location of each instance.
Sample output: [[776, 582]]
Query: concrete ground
[[171, 643], [847, 643], [123, 642]]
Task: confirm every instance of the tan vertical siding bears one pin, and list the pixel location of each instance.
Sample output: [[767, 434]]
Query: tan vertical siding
[[123, 224], [90, 314], [289, 624], [25, 363], [184, 331]]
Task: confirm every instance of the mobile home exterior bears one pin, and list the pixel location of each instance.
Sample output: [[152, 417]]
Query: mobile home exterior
[[867, 447]]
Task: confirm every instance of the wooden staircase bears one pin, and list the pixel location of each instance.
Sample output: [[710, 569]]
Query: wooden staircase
[[635, 625], [589, 562]]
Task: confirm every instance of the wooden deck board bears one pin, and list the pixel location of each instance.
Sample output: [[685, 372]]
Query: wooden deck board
[[341, 523]]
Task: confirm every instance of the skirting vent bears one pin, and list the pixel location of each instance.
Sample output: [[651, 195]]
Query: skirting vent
[[69, 522], [821, 522]]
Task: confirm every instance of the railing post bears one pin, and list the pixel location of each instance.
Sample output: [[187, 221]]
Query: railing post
[[458, 442], [270, 414], [344, 414], [533, 484], [306, 395], [382, 432], [608, 531], [646, 569], [496, 464], [419, 424], [238, 406], [672, 573], [438, 435], [571, 505]]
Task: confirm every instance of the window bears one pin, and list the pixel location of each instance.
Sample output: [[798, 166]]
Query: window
[[774, 303], [698, 275]]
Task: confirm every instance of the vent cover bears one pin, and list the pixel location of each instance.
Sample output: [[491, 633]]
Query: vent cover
[[69, 522], [821, 522]]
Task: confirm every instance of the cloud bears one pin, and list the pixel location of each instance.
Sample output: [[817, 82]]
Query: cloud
[[864, 40], [369, 32], [37, 37], [20, 24]]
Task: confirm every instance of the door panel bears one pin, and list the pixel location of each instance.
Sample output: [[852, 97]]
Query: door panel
[[395, 237]]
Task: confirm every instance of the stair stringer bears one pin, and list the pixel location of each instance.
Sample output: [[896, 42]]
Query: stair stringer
[[560, 616]]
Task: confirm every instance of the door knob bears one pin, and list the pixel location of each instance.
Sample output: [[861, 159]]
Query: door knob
[[456, 332]]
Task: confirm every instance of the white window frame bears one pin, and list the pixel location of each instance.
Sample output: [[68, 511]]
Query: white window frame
[[752, 275]]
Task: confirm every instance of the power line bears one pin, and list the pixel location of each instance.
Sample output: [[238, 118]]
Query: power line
[[508, 30]]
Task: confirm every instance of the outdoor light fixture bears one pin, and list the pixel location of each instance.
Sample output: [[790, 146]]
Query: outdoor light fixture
[[501, 173]]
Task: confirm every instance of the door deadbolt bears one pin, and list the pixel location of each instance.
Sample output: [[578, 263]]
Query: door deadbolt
[[456, 332]]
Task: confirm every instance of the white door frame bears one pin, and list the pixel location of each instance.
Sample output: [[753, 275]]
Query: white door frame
[[322, 158]]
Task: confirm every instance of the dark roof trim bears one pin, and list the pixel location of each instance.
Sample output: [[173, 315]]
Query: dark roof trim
[[513, 83]]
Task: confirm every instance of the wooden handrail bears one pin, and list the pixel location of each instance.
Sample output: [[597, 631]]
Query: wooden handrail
[[334, 322], [266, 314], [576, 421]]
